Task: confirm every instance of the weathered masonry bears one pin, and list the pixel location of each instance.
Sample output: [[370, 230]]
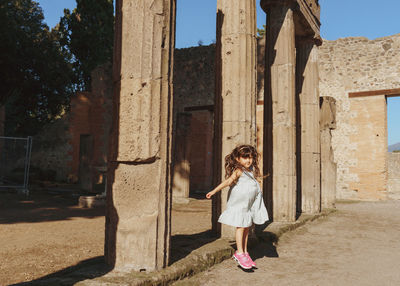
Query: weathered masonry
[[360, 74], [291, 91], [139, 180], [139, 200]]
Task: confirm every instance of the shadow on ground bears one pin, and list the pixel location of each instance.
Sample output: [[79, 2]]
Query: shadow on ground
[[264, 249], [182, 244], [43, 205], [86, 269]]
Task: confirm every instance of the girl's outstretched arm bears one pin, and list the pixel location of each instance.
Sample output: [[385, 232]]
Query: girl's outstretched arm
[[235, 175]]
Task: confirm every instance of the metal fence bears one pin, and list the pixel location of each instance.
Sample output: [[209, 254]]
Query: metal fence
[[15, 157]]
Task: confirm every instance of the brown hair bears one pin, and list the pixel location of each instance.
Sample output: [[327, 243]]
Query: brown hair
[[244, 151]]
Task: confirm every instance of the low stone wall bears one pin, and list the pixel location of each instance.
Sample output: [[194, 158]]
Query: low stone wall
[[394, 175], [50, 152]]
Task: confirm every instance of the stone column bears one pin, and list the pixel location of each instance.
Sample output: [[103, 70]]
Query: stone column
[[308, 139], [235, 100], [279, 111], [328, 166], [138, 197]]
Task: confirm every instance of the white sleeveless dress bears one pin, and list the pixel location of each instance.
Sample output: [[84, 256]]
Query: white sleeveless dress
[[245, 204]]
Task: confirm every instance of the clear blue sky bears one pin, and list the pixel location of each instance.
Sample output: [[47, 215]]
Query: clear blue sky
[[340, 18]]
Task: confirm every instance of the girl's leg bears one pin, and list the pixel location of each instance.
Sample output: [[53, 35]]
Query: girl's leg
[[240, 256], [245, 238], [239, 239]]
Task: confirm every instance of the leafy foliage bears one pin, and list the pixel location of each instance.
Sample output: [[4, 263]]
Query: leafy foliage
[[87, 32], [261, 32], [36, 76]]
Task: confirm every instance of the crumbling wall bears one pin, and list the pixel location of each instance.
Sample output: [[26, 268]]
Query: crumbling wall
[[194, 88], [91, 114], [351, 65], [50, 152], [194, 77], [55, 150]]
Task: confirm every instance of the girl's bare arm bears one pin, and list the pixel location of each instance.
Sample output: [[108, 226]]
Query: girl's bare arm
[[235, 175]]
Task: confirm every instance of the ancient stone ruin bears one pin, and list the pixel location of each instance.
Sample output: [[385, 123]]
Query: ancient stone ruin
[[315, 109], [139, 178], [291, 90], [360, 74]]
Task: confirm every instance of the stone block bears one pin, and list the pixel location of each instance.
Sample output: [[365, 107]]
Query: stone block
[[135, 193], [91, 201], [139, 124], [239, 16], [310, 183], [142, 30], [370, 133], [310, 130]]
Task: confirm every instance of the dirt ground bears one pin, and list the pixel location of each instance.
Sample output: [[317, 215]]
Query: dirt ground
[[47, 232], [358, 245]]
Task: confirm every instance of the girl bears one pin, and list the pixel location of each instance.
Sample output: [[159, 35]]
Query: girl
[[245, 204]]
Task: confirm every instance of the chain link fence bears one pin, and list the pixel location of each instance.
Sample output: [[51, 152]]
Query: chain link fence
[[15, 156]]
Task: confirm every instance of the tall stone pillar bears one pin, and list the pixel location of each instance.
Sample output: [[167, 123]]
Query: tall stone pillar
[[235, 100], [308, 139], [279, 111], [328, 166], [138, 198]]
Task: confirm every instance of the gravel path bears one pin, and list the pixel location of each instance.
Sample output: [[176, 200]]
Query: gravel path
[[359, 245]]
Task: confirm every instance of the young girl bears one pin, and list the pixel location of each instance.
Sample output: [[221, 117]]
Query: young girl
[[245, 204]]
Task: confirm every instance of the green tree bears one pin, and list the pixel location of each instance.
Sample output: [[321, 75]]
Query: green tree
[[261, 32], [36, 76], [87, 32]]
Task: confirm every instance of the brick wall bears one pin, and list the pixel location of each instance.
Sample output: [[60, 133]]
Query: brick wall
[[91, 115]]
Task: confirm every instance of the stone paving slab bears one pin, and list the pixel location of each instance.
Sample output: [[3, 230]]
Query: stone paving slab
[[95, 272]]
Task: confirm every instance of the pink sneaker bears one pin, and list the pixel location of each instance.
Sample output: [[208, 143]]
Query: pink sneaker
[[253, 264], [243, 260]]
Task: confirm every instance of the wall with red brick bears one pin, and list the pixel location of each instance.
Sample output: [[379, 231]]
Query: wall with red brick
[[56, 148], [91, 115], [200, 141]]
